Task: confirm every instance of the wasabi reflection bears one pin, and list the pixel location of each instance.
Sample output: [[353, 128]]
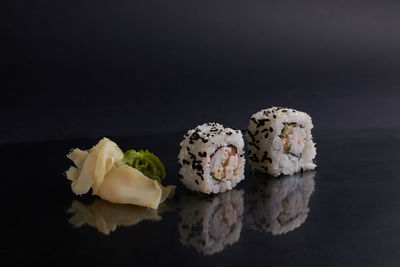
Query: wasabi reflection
[[279, 205], [210, 223], [106, 216]]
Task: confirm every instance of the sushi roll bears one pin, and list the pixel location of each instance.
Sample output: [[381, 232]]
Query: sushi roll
[[210, 223], [211, 158], [280, 141], [280, 205]]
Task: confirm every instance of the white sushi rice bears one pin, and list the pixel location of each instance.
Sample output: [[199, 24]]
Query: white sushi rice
[[211, 158], [210, 223], [280, 141], [280, 205]]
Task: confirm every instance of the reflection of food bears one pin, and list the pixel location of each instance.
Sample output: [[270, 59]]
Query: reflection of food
[[209, 223], [279, 205], [104, 170], [106, 216]]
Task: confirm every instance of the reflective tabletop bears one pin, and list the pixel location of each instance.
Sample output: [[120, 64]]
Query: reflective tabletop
[[345, 213]]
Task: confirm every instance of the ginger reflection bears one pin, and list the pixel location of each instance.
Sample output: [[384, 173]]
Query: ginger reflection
[[210, 223], [106, 216], [278, 205]]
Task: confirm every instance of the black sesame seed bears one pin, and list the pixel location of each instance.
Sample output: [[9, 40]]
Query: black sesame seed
[[195, 136], [265, 156], [253, 144], [204, 154], [270, 129], [197, 167], [254, 158], [262, 122]]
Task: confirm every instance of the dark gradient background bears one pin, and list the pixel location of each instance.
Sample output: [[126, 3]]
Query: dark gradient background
[[98, 68]]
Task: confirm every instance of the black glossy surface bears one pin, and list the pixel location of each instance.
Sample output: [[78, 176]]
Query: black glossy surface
[[353, 220]]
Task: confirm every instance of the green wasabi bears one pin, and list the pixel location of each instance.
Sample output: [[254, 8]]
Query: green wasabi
[[146, 162]]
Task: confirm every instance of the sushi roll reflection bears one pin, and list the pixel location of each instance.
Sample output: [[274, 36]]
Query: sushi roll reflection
[[280, 141], [278, 205], [211, 158], [210, 223]]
